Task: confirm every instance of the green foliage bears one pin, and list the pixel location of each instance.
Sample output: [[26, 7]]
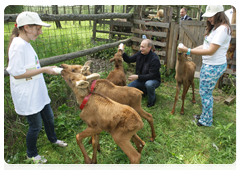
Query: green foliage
[[167, 75], [13, 9], [227, 135]]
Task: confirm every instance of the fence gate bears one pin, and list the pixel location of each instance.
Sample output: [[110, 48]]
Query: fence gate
[[191, 35]]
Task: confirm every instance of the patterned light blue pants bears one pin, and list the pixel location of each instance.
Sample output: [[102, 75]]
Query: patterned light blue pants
[[209, 76]]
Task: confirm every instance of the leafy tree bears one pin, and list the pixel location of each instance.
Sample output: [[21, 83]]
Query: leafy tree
[[12, 9]]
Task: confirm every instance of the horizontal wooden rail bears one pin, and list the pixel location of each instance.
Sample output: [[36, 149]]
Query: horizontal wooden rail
[[162, 44], [71, 17], [149, 32], [114, 32], [118, 23], [65, 57], [156, 24]]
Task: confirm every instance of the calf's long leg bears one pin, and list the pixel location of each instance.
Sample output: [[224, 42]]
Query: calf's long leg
[[123, 141], [178, 87], [185, 90], [98, 147], [149, 118], [79, 137], [138, 142], [193, 97], [95, 143]]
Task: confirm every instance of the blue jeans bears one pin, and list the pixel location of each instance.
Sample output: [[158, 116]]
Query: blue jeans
[[209, 76], [147, 87], [35, 125]]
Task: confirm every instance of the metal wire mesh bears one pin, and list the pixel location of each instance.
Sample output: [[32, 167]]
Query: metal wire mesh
[[71, 37]]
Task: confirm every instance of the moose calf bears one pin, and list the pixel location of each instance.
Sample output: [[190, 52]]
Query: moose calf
[[117, 76], [184, 75]]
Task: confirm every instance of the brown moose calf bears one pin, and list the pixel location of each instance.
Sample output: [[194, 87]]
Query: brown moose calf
[[101, 113], [117, 76], [184, 75]]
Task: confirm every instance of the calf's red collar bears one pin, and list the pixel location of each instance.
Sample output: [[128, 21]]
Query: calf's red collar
[[85, 100]]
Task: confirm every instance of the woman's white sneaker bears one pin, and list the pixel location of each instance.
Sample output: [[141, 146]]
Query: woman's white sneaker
[[61, 143], [38, 159]]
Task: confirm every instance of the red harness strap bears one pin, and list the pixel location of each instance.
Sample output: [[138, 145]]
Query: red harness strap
[[93, 85], [88, 96]]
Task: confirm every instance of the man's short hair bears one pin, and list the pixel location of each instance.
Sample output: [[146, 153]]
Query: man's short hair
[[149, 42], [185, 9]]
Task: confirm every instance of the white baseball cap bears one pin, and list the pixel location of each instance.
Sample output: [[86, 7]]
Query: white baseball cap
[[211, 10], [26, 18]]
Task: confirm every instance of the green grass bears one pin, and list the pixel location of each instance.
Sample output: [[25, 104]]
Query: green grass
[[178, 141]]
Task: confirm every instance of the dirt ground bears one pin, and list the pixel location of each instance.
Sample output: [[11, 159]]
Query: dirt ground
[[99, 65]]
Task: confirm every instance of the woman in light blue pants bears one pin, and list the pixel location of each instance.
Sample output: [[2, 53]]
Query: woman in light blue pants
[[214, 62], [209, 76]]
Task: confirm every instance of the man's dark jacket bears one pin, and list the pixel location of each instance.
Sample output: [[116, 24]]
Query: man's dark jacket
[[147, 66], [186, 18]]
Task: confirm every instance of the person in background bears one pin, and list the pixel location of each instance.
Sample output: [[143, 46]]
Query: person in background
[[147, 77], [214, 62], [28, 87], [183, 13]]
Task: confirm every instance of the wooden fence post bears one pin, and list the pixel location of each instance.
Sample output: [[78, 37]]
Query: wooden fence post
[[94, 24], [172, 46], [64, 11], [80, 12], [136, 16], [89, 13], [111, 26], [73, 13], [55, 11], [167, 18]]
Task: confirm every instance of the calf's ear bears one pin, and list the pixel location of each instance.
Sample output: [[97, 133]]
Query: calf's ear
[[88, 63], [84, 70], [93, 76], [82, 84]]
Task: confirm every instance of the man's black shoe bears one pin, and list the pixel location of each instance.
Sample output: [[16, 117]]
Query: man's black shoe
[[150, 104]]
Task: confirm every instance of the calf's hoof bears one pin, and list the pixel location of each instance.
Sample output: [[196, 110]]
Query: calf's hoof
[[152, 139]]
